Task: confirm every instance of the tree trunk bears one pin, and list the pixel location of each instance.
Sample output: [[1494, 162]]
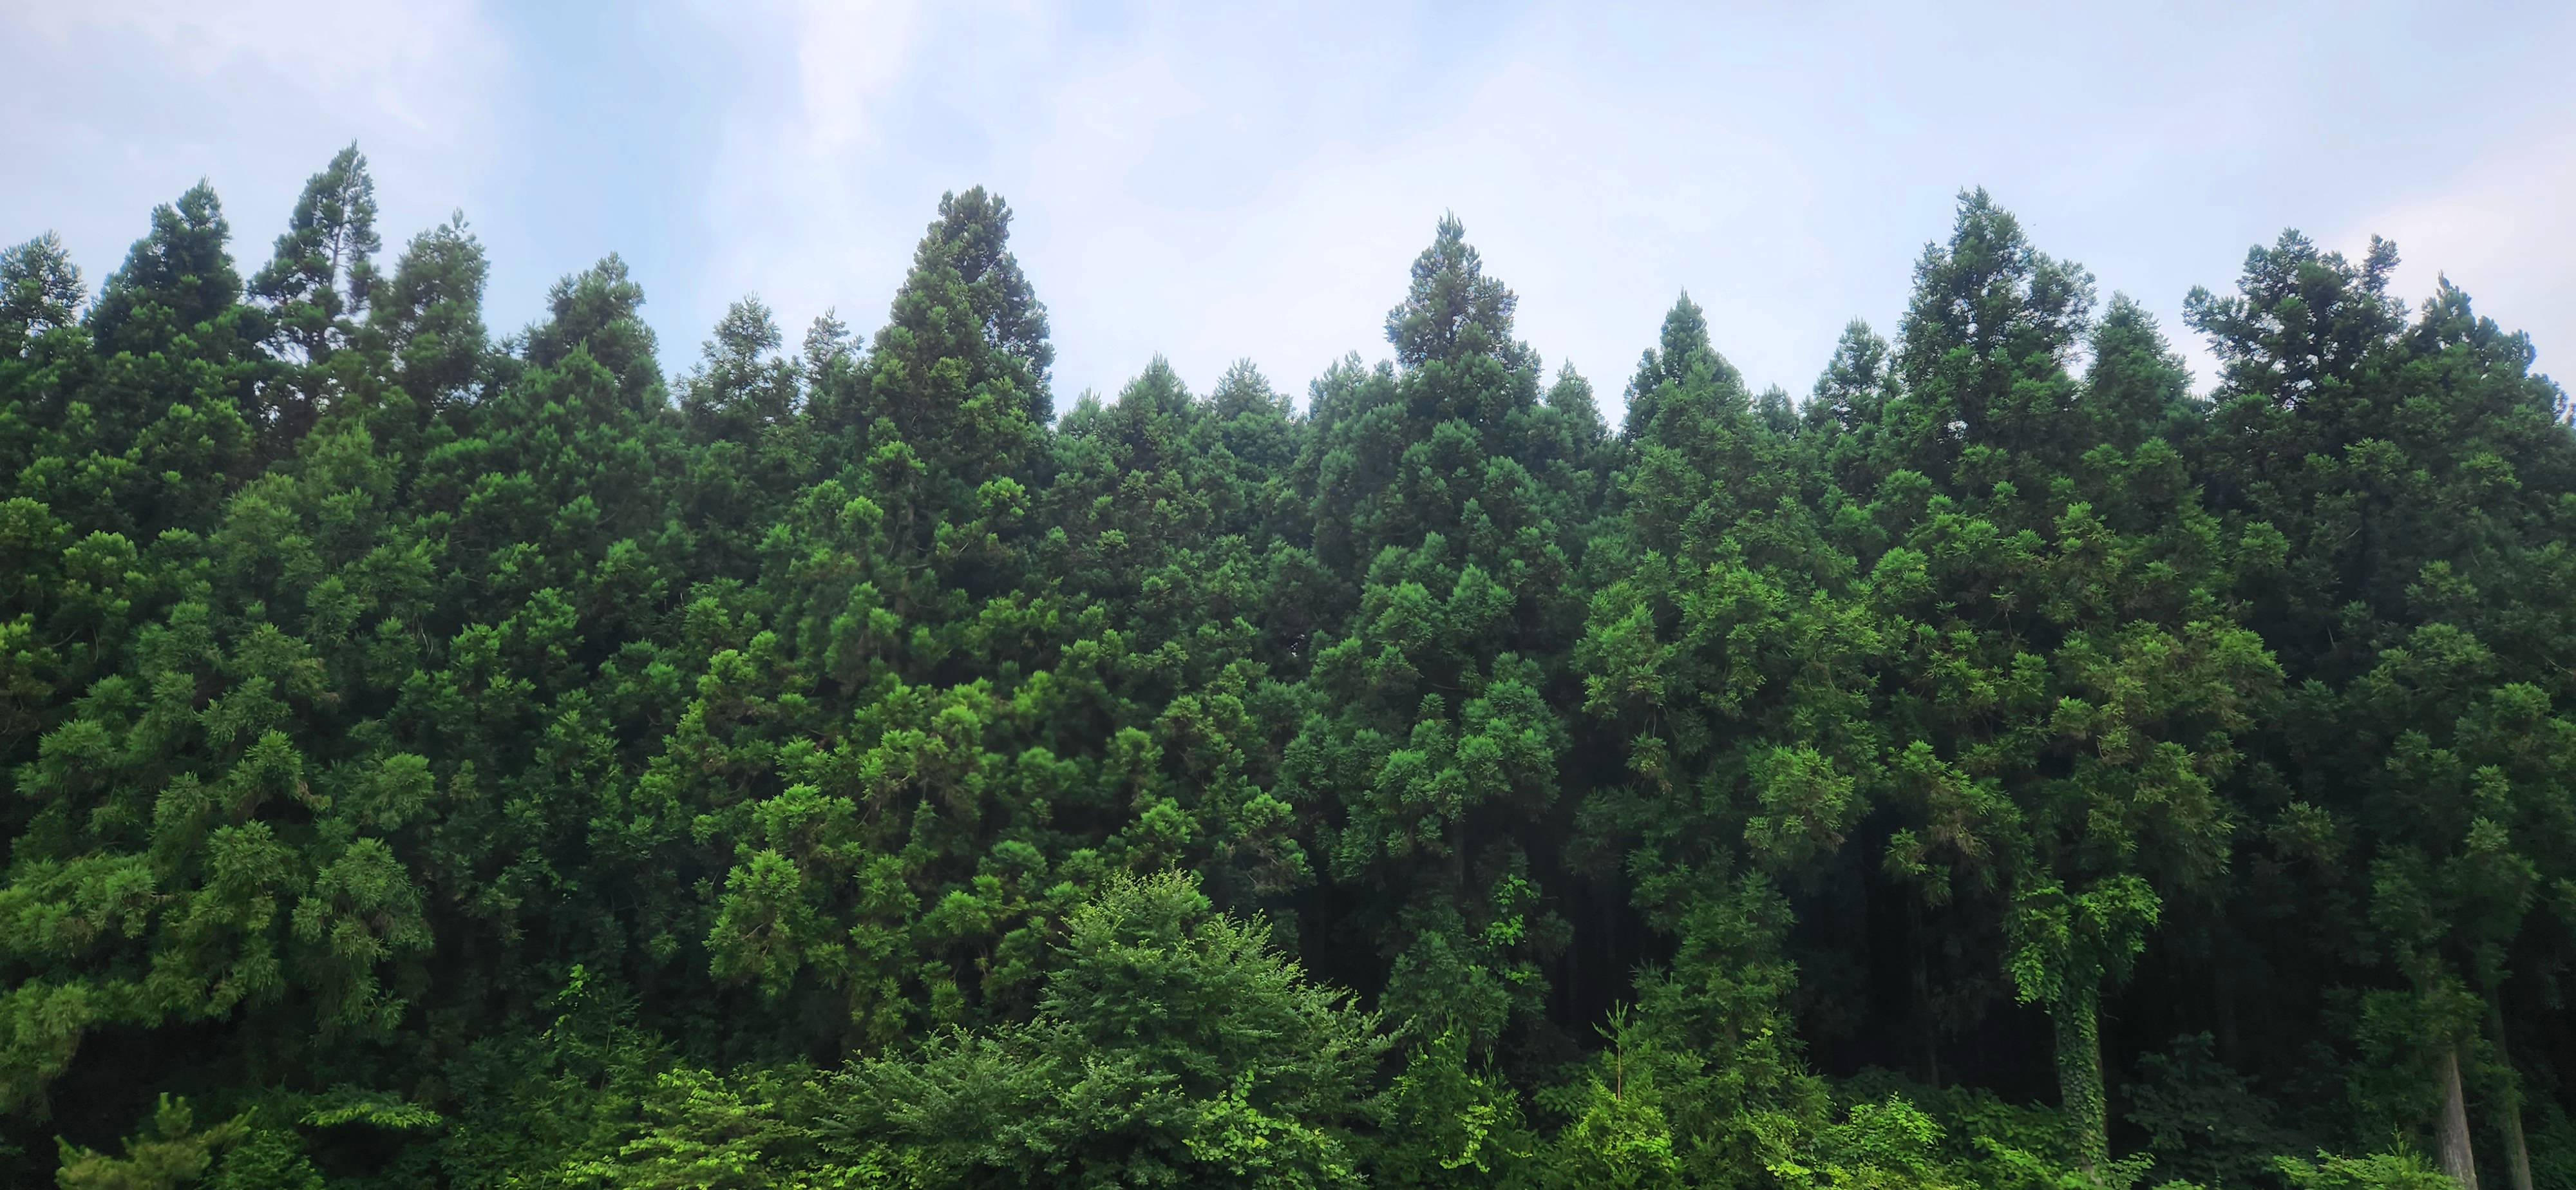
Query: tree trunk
[[2457, 1161], [2229, 1049], [2079, 1076], [2517, 1154], [1929, 1028]]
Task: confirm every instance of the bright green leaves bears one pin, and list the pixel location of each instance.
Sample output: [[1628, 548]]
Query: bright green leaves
[[2066, 944], [765, 929], [1619, 1138], [2379, 1171], [1888, 1145], [1171, 1044], [1806, 804], [362, 685], [1443, 1122], [177, 1153]]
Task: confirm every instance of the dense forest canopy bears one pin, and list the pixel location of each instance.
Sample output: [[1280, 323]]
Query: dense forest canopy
[[436, 758]]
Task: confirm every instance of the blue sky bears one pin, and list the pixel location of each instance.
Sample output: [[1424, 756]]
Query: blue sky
[[1221, 182]]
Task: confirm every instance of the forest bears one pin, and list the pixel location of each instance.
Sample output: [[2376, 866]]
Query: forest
[[445, 758]]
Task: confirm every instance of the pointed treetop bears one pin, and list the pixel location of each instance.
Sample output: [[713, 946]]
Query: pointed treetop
[[1571, 396], [324, 269], [180, 268], [431, 310], [973, 236], [1156, 393], [40, 289], [1776, 411], [2299, 317], [2138, 386], [826, 340], [1988, 290], [740, 384], [1685, 335], [1454, 309], [598, 308], [1243, 389], [1683, 346], [1854, 382], [747, 332]]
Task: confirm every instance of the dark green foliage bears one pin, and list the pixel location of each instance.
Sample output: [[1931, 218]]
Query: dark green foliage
[[431, 314], [460, 761], [324, 270], [40, 289], [2204, 1121]]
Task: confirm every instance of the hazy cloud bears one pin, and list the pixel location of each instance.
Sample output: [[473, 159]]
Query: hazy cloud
[[1218, 183], [115, 106]]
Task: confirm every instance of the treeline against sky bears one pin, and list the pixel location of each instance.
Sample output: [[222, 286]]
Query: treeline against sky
[[441, 759]]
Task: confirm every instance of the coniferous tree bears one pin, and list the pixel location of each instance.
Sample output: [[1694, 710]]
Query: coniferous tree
[[430, 313], [460, 762], [40, 289], [1433, 729]]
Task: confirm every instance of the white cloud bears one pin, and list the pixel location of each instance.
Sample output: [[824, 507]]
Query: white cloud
[[847, 56], [1214, 182], [254, 96], [2500, 232], [406, 64]]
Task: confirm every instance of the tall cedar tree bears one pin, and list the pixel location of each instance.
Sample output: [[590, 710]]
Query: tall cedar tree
[[436, 757]]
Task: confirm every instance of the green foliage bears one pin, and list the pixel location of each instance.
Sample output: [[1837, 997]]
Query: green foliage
[[2204, 1122], [480, 760], [2379, 1171], [1442, 1122], [175, 1153], [1171, 1046], [1888, 1145]]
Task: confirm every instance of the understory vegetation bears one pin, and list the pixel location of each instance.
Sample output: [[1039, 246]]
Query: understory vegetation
[[441, 759]]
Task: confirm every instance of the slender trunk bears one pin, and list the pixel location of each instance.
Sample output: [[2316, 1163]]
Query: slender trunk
[[2079, 1076], [2517, 1154], [1457, 836], [1927, 1027], [2229, 1048], [2457, 1161]]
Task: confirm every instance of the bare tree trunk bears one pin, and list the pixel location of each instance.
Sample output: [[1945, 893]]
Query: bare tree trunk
[[2229, 1048], [1924, 1020], [2517, 1154], [2457, 1161]]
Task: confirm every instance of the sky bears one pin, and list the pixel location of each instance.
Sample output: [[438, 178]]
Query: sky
[[1219, 182]]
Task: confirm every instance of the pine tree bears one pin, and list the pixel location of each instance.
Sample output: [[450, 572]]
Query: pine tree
[[830, 768], [1745, 767], [430, 314], [40, 290], [1431, 724], [323, 276], [165, 429]]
